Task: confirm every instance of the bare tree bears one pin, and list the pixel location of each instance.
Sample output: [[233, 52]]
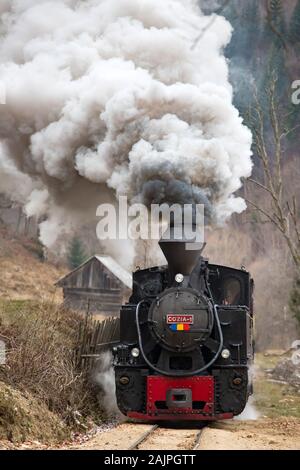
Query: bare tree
[[210, 23], [280, 205]]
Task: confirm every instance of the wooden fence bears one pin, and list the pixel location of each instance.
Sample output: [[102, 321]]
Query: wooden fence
[[94, 338]]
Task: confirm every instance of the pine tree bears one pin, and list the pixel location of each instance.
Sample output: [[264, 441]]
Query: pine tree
[[276, 22], [243, 48], [275, 11], [294, 29], [246, 22], [294, 38], [275, 36], [275, 6], [76, 253]]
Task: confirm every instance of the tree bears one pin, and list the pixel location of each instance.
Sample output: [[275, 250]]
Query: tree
[[276, 36], [282, 209], [76, 253], [244, 60], [280, 204], [294, 29], [276, 22], [246, 23], [294, 40]]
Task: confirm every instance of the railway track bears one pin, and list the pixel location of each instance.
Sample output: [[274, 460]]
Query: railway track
[[198, 440], [157, 434], [143, 438]]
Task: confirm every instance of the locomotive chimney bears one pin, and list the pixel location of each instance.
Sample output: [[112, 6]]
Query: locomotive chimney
[[180, 246]]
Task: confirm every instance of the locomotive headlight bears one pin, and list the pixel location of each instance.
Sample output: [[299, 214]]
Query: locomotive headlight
[[225, 354], [135, 352], [179, 278]]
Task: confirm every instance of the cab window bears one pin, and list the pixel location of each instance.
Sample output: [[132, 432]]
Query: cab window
[[231, 291]]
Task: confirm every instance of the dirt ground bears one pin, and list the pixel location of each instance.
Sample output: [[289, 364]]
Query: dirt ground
[[126, 434], [261, 434]]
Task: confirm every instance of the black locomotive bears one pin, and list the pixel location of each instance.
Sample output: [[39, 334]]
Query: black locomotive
[[186, 341]]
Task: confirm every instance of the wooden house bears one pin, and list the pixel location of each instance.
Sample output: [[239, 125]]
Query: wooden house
[[100, 285]]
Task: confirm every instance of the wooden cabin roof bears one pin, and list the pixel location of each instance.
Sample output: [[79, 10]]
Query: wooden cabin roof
[[109, 263], [124, 276]]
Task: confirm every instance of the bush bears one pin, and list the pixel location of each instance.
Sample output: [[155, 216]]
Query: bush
[[23, 418], [42, 339]]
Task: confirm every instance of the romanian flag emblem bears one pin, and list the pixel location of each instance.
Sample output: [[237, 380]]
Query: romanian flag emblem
[[180, 322], [180, 327]]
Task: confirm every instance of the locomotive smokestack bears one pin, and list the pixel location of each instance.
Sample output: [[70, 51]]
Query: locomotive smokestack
[[180, 245]]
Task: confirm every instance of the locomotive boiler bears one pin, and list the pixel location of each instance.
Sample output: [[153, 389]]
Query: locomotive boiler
[[186, 341]]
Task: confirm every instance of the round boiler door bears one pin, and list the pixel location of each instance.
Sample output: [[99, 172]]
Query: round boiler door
[[181, 319]]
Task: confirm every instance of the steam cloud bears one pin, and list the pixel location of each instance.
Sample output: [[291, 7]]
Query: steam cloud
[[109, 97], [104, 376]]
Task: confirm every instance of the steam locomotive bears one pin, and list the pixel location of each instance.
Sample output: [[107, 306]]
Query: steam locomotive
[[186, 340]]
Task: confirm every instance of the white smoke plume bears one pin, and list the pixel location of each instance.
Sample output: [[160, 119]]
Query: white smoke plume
[[250, 412], [113, 97], [104, 377]]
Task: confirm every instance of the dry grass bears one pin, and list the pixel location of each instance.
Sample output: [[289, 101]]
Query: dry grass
[[276, 400], [22, 417], [41, 340], [273, 399], [23, 273], [41, 374]]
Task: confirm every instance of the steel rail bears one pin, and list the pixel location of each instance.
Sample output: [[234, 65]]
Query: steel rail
[[143, 438]]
